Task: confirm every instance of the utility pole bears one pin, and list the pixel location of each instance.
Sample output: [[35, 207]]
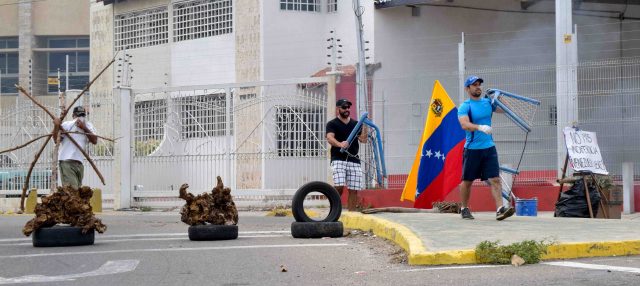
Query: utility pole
[[66, 69], [361, 96]]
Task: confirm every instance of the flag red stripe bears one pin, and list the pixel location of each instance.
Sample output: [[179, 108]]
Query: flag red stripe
[[446, 181]]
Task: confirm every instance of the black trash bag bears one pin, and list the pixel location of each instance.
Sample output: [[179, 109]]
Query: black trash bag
[[573, 202]]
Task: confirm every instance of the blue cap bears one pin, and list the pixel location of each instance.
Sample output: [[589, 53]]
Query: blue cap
[[471, 80]]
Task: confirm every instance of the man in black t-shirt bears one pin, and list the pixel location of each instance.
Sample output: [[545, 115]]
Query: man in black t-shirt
[[346, 166]]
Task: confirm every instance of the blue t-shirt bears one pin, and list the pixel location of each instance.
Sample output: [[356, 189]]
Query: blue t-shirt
[[479, 112]]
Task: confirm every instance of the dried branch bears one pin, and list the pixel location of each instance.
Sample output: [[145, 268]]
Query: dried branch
[[84, 133], [86, 88], [33, 164], [95, 168], [25, 144], [23, 91]]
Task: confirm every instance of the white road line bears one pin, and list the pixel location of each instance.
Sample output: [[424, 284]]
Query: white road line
[[153, 235], [593, 266], [110, 267], [451, 267], [147, 239], [174, 249]]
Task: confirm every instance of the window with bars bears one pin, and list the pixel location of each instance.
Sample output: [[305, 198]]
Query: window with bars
[[142, 29], [201, 18], [203, 116], [300, 5], [332, 6], [300, 131], [78, 61], [149, 119]]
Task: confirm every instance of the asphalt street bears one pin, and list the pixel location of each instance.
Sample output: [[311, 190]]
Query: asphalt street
[[152, 248]]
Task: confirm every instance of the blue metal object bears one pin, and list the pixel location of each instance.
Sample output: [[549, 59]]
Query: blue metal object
[[495, 93], [513, 95], [378, 150]]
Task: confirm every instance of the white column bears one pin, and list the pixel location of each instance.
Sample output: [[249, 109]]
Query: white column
[[461, 69], [628, 205], [566, 76], [123, 155]]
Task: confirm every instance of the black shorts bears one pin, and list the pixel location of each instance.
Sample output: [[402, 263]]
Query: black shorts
[[480, 164]]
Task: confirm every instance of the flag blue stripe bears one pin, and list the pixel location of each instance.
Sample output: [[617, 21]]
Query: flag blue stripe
[[444, 138]]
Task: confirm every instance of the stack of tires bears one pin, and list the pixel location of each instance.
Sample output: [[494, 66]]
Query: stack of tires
[[306, 227]]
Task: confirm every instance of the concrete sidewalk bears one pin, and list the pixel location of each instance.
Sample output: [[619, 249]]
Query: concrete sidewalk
[[434, 238]]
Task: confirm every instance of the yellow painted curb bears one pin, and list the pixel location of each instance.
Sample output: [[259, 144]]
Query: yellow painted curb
[[96, 201], [418, 254], [32, 200]]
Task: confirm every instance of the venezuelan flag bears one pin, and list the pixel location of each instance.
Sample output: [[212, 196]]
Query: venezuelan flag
[[437, 167]]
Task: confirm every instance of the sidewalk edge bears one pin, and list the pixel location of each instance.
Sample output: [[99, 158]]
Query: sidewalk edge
[[418, 254]]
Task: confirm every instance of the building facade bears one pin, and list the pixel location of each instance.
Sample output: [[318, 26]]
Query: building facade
[[36, 38]]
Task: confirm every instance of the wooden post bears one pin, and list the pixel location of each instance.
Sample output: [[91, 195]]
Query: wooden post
[[586, 193]]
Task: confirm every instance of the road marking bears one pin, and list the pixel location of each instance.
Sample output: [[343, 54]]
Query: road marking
[[154, 235], [173, 249], [110, 267], [150, 239], [451, 267], [593, 266]]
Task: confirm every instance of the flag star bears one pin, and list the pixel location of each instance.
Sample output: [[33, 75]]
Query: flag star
[[438, 154], [443, 157], [429, 153]]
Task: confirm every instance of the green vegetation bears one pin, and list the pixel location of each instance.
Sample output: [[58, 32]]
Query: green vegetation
[[493, 253]]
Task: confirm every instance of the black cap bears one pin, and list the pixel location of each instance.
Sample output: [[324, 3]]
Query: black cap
[[342, 102], [79, 111]]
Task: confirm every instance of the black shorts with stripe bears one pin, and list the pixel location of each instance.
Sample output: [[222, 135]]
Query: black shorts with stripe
[[480, 164]]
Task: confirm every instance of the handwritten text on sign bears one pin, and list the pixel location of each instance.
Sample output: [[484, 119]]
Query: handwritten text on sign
[[584, 153]]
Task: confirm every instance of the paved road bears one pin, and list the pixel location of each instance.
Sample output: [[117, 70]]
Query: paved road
[[153, 249]]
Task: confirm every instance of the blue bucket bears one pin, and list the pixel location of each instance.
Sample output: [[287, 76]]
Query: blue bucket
[[527, 207]]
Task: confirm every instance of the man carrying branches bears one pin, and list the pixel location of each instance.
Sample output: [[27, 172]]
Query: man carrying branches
[[70, 156]]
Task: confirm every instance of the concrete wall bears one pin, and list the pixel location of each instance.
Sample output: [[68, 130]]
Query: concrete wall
[[295, 42], [8, 20], [507, 49], [201, 61], [48, 14]]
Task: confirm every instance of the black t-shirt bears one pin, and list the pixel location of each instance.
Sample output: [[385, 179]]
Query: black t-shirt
[[342, 131]]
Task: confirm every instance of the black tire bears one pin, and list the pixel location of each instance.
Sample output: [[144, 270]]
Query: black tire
[[213, 232], [316, 229], [59, 235], [335, 205]]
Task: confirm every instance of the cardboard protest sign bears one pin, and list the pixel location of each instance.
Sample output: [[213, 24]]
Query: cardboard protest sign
[[584, 152]]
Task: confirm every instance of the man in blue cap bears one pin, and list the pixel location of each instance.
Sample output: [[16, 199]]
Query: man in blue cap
[[480, 158]]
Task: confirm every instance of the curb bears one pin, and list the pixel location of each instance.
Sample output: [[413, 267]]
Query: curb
[[418, 254]]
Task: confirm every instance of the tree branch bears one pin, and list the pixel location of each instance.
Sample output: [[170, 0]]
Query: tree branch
[[25, 144], [23, 91], [33, 164], [83, 133], [66, 111], [88, 159]]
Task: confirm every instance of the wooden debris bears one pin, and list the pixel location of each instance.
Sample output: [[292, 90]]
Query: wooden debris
[[448, 207], [216, 207], [65, 206]]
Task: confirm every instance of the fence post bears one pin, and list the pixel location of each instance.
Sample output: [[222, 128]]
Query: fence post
[[628, 205], [123, 151], [566, 76], [331, 112], [461, 68]]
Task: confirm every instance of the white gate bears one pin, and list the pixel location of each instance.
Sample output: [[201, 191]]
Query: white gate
[[264, 139]]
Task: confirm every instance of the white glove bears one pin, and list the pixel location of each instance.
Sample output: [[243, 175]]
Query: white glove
[[485, 128]]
